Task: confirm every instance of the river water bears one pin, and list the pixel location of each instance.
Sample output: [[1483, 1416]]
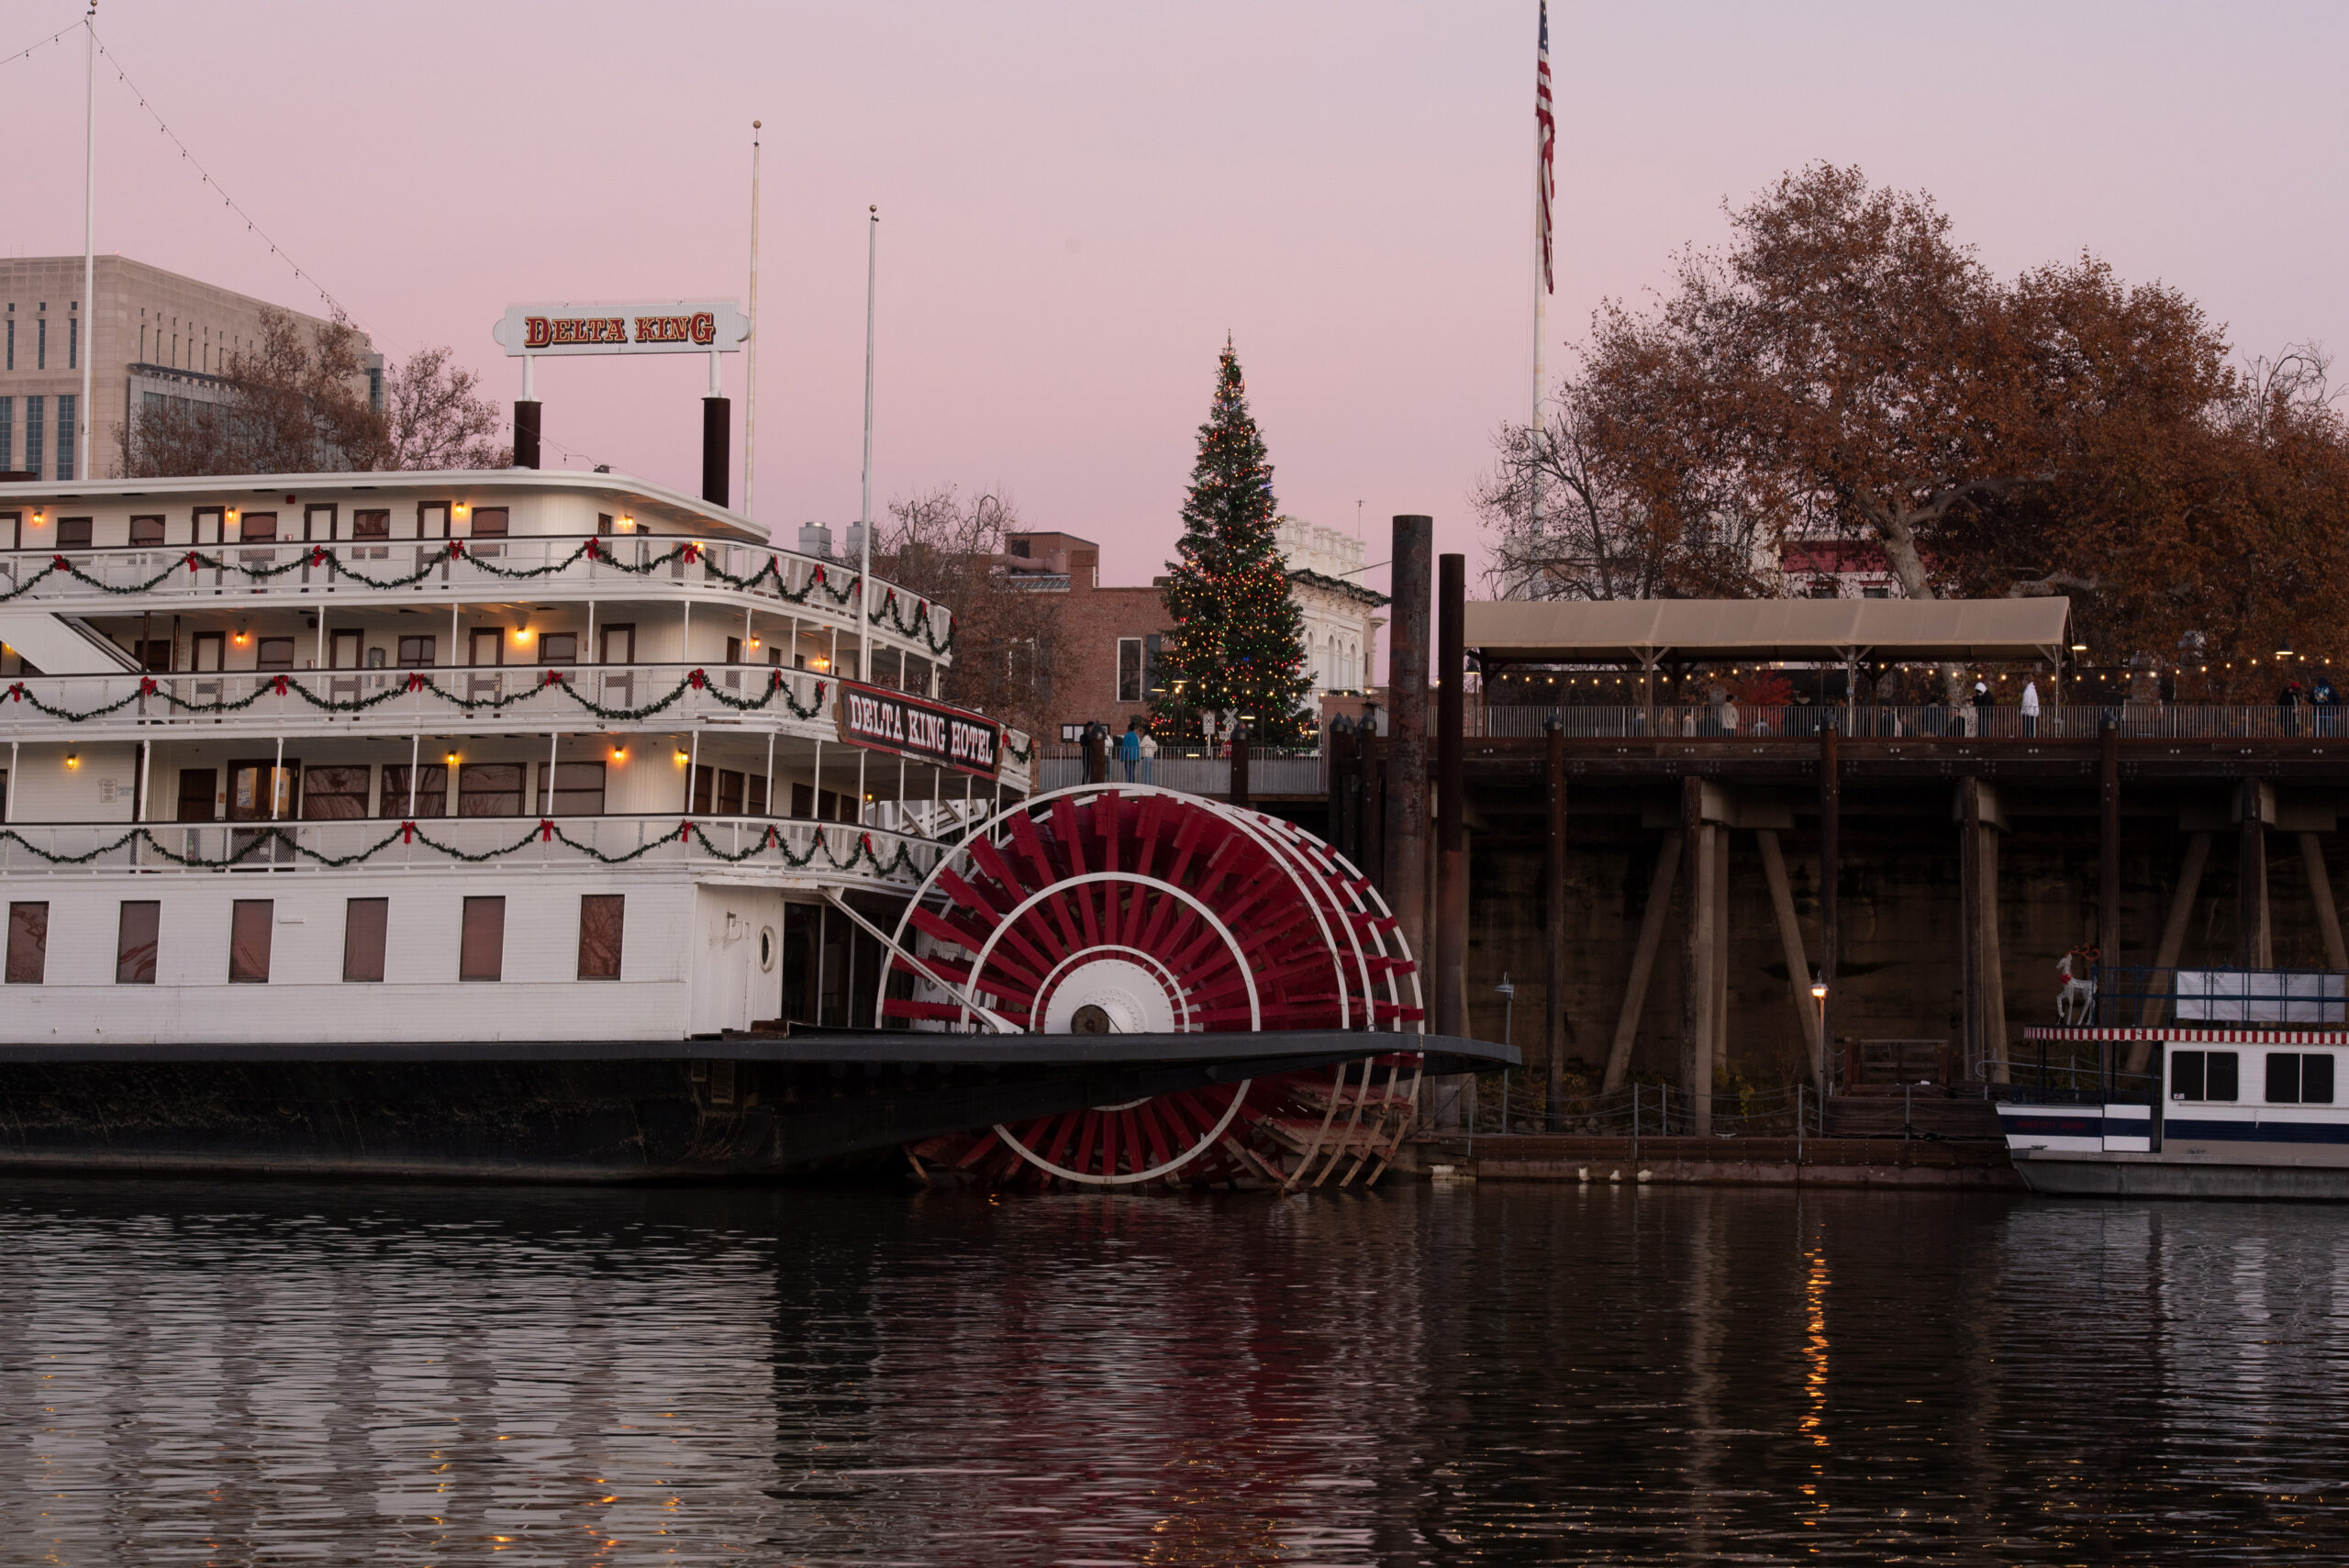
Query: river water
[[235, 1373]]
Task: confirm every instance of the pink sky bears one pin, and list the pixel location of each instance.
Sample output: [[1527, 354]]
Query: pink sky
[[1079, 200]]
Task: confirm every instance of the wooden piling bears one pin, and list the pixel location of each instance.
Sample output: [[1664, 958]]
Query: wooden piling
[[1553, 1003], [1695, 959], [1830, 870], [1635, 988]]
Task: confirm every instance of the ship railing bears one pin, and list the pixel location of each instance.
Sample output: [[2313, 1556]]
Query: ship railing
[[438, 697], [571, 565], [1745, 721], [790, 848], [2210, 997]]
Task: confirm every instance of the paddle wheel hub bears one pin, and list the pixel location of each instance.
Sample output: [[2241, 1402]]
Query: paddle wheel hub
[[1134, 910]]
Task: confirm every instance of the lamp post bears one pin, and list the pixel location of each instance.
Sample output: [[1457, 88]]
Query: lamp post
[[1507, 993], [1819, 996]]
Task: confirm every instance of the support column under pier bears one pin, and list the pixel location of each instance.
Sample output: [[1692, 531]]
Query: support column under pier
[[2254, 945], [1635, 989], [1553, 912], [1696, 960]]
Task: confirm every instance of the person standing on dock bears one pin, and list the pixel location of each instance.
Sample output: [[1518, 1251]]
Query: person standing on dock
[[1982, 701], [2030, 707]]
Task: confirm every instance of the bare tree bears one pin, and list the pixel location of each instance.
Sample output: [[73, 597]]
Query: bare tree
[[436, 418], [1576, 513], [296, 402], [947, 546]]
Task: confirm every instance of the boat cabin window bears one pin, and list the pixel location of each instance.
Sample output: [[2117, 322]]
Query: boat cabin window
[[424, 794], [480, 941], [602, 916], [147, 530], [27, 943], [2298, 1079], [559, 647], [337, 793], [419, 652], [371, 525], [577, 789], [134, 942], [489, 789], [258, 527], [2203, 1075], [275, 654], [249, 923], [489, 522], [364, 921]]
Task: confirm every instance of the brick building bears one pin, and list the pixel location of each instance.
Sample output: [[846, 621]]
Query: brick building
[[1104, 651]]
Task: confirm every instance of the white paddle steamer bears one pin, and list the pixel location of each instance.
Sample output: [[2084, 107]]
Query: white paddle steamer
[[469, 757]]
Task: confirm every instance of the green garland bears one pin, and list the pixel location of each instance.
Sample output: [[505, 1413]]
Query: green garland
[[938, 647], [417, 681], [547, 831], [322, 559]]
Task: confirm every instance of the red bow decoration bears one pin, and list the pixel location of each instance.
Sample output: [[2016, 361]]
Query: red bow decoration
[[820, 576], [546, 830], [456, 548], [191, 562], [16, 692], [774, 836], [407, 832], [698, 680], [60, 563], [593, 550], [820, 692], [775, 679], [554, 678], [278, 685], [692, 551], [317, 555], [415, 680], [922, 609], [147, 685], [864, 842], [684, 831]]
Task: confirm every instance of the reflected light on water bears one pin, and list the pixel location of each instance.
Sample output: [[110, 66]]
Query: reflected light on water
[[864, 1376]]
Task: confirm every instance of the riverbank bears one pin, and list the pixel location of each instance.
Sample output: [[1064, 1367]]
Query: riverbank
[[1969, 1164]]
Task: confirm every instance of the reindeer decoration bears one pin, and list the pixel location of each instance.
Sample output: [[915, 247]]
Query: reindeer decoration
[[2076, 1001]]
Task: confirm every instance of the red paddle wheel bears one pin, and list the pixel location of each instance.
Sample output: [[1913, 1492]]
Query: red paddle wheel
[[1126, 910]]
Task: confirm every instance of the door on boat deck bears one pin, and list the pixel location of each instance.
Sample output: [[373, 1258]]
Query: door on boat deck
[[253, 788], [619, 646]]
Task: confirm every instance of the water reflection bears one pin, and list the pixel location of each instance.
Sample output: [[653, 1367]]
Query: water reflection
[[1508, 1374]]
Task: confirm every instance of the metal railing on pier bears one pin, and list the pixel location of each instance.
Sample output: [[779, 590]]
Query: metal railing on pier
[[1270, 770], [1507, 1103], [1702, 721]]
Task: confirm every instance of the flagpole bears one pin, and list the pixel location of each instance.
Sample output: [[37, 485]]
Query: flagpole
[[1544, 142], [87, 348], [864, 542], [751, 365]]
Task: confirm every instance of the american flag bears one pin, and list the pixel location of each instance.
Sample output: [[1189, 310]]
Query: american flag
[[1545, 179]]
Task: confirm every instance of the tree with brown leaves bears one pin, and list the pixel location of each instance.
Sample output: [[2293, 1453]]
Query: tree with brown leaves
[[1846, 371]]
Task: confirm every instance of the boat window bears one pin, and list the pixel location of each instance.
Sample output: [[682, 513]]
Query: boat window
[[419, 652], [2297, 1079], [363, 923], [432, 786], [248, 931], [601, 917], [73, 533], [559, 647], [2209, 1075], [371, 525], [481, 948], [489, 789], [147, 530], [336, 794], [276, 653], [27, 943], [258, 527], [578, 789], [134, 942], [489, 522]]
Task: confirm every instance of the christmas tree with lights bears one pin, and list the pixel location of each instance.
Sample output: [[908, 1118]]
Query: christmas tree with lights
[[1238, 647]]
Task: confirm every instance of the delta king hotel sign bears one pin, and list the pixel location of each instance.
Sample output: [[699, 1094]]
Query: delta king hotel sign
[[658, 326]]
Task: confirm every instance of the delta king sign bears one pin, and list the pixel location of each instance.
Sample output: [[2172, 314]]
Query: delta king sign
[[655, 326], [881, 720]]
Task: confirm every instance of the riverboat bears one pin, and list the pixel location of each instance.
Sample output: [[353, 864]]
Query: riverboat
[[560, 826], [2244, 1095]]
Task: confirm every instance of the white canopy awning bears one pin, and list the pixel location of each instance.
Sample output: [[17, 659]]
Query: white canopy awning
[[1648, 630]]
